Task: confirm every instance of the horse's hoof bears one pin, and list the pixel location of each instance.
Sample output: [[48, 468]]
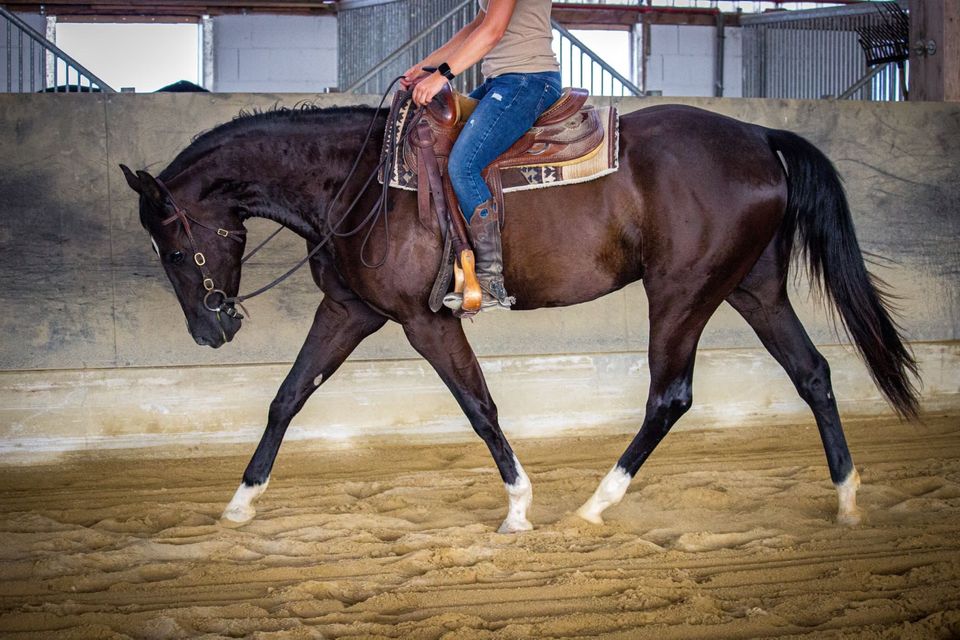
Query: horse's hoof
[[590, 516], [236, 516], [515, 526], [850, 519]]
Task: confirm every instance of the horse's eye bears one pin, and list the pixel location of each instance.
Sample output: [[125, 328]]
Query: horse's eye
[[175, 257]]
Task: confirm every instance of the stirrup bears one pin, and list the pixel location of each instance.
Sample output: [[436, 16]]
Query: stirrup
[[454, 301]]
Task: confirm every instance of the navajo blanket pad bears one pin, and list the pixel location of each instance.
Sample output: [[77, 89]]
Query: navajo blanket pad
[[602, 161]]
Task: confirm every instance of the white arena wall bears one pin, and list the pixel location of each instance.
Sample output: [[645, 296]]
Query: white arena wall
[[274, 53], [681, 60]]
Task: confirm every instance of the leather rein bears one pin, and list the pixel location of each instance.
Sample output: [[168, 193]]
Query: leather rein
[[228, 304]]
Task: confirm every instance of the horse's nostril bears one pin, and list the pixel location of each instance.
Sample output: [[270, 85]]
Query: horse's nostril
[[200, 340]]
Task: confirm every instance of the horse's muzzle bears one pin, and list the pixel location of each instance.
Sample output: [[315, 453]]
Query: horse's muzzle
[[214, 327]]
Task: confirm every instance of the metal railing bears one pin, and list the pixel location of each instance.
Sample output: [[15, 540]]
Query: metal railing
[[375, 79], [29, 62], [579, 66], [814, 54]]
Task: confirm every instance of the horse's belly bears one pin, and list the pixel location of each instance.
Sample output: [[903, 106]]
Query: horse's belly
[[568, 273], [571, 244]]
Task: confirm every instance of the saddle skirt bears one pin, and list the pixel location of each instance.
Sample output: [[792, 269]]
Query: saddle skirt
[[570, 142]]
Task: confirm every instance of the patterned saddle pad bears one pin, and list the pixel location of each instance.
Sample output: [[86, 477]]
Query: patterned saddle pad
[[601, 161]]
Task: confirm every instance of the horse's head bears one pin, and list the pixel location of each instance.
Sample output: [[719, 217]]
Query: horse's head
[[200, 248]]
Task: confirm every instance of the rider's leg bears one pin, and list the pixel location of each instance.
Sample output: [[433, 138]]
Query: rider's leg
[[507, 109]]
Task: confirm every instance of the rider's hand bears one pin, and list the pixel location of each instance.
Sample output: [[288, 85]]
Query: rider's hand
[[427, 88], [411, 75]]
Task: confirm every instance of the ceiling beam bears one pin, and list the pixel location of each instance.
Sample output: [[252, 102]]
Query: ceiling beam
[[607, 16], [144, 8]]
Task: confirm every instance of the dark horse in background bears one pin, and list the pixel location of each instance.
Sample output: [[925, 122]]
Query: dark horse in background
[[702, 210]]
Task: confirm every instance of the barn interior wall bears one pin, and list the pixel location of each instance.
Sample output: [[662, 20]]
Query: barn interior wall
[[94, 351], [263, 53], [681, 60]]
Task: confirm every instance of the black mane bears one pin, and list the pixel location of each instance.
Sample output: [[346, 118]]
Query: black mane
[[277, 115]]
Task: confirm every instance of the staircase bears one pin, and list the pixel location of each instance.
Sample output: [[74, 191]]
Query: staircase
[[365, 70], [30, 63]]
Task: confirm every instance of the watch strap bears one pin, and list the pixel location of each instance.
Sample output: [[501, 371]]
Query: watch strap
[[444, 70]]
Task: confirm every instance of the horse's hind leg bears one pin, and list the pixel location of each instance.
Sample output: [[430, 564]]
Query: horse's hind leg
[[762, 300], [338, 327], [440, 339], [675, 329]]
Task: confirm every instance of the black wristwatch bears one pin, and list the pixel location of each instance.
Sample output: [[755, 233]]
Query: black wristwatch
[[444, 70]]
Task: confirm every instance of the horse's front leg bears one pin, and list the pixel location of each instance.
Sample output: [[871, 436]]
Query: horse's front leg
[[440, 339], [338, 327]]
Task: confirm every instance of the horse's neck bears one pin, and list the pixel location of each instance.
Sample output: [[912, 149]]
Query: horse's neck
[[299, 198], [292, 217]]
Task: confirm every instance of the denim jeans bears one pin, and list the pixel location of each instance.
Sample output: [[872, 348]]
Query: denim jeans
[[509, 105]]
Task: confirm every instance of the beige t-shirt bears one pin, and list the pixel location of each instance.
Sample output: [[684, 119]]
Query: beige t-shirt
[[526, 44]]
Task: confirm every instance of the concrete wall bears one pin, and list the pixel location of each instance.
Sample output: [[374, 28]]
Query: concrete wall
[[94, 353], [682, 58], [274, 53]]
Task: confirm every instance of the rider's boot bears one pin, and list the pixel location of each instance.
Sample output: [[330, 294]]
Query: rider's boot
[[485, 232]]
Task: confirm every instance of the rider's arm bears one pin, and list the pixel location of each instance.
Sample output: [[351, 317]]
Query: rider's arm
[[442, 53], [483, 38], [472, 49]]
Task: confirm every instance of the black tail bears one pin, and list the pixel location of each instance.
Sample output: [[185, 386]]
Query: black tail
[[818, 216]]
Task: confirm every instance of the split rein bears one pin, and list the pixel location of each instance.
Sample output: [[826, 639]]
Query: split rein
[[228, 304]]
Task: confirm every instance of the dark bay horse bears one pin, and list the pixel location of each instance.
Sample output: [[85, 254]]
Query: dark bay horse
[[704, 209]]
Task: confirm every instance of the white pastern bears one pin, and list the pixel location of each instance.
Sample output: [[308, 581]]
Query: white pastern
[[520, 494], [240, 509], [611, 491], [847, 494]]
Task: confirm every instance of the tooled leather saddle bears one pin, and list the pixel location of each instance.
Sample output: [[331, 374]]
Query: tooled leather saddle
[[567, 131]]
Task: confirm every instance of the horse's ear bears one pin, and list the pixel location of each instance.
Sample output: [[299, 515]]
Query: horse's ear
[[150, 188], [132, 179]]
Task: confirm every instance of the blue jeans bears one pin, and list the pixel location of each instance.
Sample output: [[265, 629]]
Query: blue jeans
[[509, 105]]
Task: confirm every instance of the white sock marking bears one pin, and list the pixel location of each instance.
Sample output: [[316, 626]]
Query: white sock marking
[[241, 508], [611, 491], [847, 494], [520, 494]]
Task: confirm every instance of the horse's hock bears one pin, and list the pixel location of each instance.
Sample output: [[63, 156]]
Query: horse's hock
[[95, 355]]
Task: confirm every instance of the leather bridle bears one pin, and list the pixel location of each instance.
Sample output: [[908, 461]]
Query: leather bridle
[[200, 260], [228, 304]]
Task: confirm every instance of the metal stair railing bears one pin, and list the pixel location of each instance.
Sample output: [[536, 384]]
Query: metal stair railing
[[586, 77], [579, 66], [450, 22], [42, 65]]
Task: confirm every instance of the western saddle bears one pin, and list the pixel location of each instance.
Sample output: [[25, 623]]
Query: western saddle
[[566, 131]]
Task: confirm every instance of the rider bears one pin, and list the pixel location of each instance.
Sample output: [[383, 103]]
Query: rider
[[521, 79]]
